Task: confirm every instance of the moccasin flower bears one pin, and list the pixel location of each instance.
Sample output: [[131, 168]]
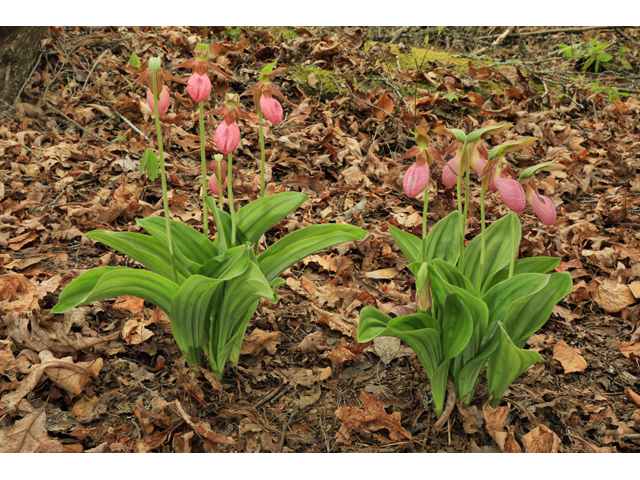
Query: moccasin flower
[[199, 84], [416, 177], [263, 93], [164, 99], [543, 206], [213, 183], [227, 136], [511, 192]]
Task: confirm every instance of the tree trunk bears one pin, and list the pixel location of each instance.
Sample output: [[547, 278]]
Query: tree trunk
[[19, 48]]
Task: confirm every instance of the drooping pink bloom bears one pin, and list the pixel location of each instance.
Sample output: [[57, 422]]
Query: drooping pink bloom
[[164, 100], [415, 180], [227, 137], [511, 192], [450, 172], [199, 86], [543, 206], [271, 109], [214, 184]]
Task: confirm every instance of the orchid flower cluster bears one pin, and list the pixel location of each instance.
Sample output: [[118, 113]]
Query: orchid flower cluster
[[210, 290], [477, 305]]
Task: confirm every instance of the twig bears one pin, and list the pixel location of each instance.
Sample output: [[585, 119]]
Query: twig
[[92, 68], [77, 124], [269, 396], [397, 34], [284, 430], [551, 31], [504, 35], [359, 208], [130, 124]]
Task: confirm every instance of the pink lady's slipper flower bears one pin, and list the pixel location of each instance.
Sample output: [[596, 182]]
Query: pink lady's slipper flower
[[227, 136], [511, 192], [199, 84], [213, 179], [543, 206], [416, 178], [263, 93], [199, 87], [164, 99], [478, 157]]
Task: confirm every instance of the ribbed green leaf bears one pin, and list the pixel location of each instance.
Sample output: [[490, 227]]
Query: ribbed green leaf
[[506, 364], [452, 275], [258, 216], [522, 265], [443, 241], [190, 310], [372, 324], [499, 249], [409, 244], [526, 315], [457, 327], [301, 243], [107, 282], [505, 293], [187, 240], [230, 264], [142, 248]]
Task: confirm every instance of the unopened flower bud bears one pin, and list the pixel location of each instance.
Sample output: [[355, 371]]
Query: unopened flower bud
[[423, 297], [154, 64]]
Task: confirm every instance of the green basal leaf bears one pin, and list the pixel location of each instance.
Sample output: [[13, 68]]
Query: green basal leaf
[[301, 243], [191, 244], [231, 263], [149, 164], [506, 364], [438, 382], [372, 324], [512, 146], [498, 249], [452, 276], [257, 217], [409, 244], [504, 293], [522, 265], [142, 248], [443, 241], [457, 327], [134, 61], [526, 315], [223, 219], [551, 166], [189, 310], [107, 282]]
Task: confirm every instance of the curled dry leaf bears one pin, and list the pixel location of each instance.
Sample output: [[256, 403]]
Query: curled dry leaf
[[371, 418], [541, 440], [203, 429], [632, 395], [29, 435], [630, 351], [612, 296], [17, 294], [259, 339], [495, 418], [570, 358], [68, 376]]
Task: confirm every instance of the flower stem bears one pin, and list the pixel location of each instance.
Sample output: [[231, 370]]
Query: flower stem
[[425, 208], [231, 211], [262, 155], [463, 219], [163, 177], [204, 172], [482, 228], [220, 192]]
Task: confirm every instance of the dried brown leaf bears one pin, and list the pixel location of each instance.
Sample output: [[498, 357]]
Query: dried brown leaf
[[259, 339], [541, 440], [613, 296], [495, 419], [29, 435], [17, 294], [202, 428], [371, 418], [570, 358]]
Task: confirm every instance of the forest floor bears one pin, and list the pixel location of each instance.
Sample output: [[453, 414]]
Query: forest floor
[[109, 377]]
